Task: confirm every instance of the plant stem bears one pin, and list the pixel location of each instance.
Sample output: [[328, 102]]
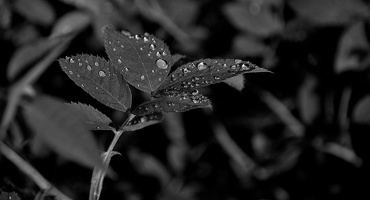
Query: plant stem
[[99, 173], [30, 171]]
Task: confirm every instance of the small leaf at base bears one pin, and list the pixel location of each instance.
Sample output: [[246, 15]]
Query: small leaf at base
[[94, 119]]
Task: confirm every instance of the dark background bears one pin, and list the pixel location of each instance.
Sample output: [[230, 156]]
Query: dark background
[[300, 133]]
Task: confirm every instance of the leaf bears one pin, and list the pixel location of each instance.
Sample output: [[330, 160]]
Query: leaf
[[62, 129], [206, 72], [139, 122], [29, 54], [236, 82], [173, 101], [144, 61], [330, 11], [260, 21], [71, 22], [361, 113], [99, 78], [94, 119], [353, 40], [38, 11]]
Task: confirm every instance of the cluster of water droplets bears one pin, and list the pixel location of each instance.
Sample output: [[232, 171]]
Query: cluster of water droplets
[[86, 63], [174, 101], [143, 119], [153, 52]]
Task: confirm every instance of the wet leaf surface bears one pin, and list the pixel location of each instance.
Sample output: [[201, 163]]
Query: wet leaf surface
[[173, 101], [99, 78], [144, 61], [140, 122], [206, 72]]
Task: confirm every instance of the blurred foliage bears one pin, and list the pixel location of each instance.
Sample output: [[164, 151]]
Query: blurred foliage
[[298, 134]]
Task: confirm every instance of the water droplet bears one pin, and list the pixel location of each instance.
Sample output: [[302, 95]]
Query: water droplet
[[126, 69], [70, 72], [82, 85], [146, 39], [78, 76], [245, 67], [80, 64], [237, 61], [114, 49], [96, 64], [158, 54], [186, 70], [233, 67], [126, 32], [88, 67], [161, 64], [143, 119], [142, 77], [122, 46], [216, 77], [119, 61], [202, 66], [164, 53], [152, 46], [137, 37], [146, 34], [71, 60], [101, 73], [159, 79], [195, 92]]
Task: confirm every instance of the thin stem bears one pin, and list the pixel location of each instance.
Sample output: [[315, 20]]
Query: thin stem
[[99, 173], [30, 171]]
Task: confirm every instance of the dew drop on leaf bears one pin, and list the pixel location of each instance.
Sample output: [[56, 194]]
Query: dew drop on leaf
[[88, 67], [137, 37], [202, 66], [126, 33], [71, 60], [142, 77], [158, 54], [143, 119], [237, 61], [152, 46], [119, 61], [161, 64], [101, 73], [70, 72], [80, 64], [146, 39], [96, 64]]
